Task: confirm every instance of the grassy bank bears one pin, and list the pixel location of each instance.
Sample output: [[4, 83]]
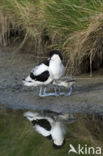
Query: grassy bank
[[18, 138], [73, 26]]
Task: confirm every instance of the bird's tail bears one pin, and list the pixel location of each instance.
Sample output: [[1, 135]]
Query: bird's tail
[[28, 81], [33, 117]]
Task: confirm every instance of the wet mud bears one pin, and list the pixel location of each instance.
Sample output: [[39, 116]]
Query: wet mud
[[87, 93]]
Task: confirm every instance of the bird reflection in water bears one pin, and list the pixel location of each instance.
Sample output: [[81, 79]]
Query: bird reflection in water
[[51, 125]]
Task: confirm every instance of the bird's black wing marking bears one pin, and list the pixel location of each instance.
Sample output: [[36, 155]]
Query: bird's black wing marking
[[34, 122], [44, 123], [46, 62], [42, 77]]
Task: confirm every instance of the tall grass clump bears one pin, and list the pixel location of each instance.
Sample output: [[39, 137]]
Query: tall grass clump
[[63, 24], [78, 25], [24, 17], [85, 50], [70, 15]]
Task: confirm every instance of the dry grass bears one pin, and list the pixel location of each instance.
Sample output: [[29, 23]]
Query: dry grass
[[73, 27], [24, 22], [3, 29], [85, 50]]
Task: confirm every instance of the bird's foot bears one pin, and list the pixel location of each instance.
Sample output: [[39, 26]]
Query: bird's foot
[[61, 94], [56, 94], [48, 94], [66, 94], [69, 93]]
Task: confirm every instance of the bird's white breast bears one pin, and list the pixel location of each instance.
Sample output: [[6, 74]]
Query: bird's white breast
[[57, 133], [57, 69]]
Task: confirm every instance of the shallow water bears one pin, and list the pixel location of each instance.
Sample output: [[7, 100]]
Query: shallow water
[[18, 137]]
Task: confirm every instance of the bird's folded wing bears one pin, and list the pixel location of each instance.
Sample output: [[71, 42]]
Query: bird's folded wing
[[42, 131], [39, 69]]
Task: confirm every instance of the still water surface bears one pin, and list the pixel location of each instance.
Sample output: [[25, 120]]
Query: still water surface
[[19, 135]]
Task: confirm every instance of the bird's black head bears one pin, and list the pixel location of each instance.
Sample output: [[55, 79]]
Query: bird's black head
[[58, 147], [57, 52], [49, 137]]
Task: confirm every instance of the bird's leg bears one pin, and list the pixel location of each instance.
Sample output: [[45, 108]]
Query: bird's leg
[[45, 90], [40, 92], [55, 91], [66, 94], [70, 91], [59, 90], [61, 93], [44, 94], [49, 94]]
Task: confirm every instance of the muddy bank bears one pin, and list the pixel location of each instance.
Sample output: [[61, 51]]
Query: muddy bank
[[14, 66]]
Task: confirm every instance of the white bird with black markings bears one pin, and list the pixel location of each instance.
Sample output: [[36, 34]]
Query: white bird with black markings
[[51, 127], [46, 72]]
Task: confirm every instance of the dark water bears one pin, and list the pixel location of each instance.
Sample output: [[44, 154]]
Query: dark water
[[76, 134]]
